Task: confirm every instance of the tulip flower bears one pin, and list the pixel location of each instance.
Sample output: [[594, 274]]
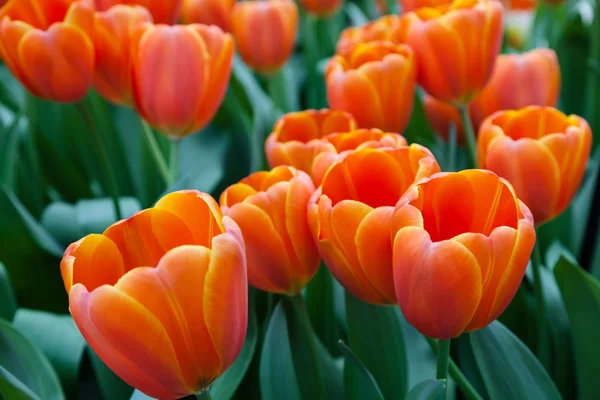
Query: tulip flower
[[375, 83], [322, 8], [162, 296], [112, 77], [442, 116], [47, 46], [163, 11], [412, 5], [462, 242], [296, 137], [208, 12], [350, 214], [265, 32], [456, 47], [270, 208], [541, 151], [386, 29], [178, 101]]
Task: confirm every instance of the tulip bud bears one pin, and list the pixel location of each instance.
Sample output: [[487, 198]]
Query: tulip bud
[[162, 297], [208, 12], [375, 83], [163, 11], [270, 208], [322, 8], [541, 151]]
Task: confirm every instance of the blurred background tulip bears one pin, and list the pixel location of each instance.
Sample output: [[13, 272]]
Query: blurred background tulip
[[47, 46], [112, 28], [270, 209], [265, 32], [442, 116], [162, 296], [208, 12], [350, 215], [163, 11], [322, 8], [412, 5], [462, 242], [375, 83], [386, 29], [178, 101], [541, 151], [296, 137]]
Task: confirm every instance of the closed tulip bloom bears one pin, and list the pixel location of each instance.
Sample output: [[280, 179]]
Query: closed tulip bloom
[[47, 46], [385, 29], [462, 242], [345, 143], [412, 5], [208, 12], [265, 32], [541, 151], [456, 47], [163, 11], [270, 208], [112, 76], [350, 214], [180, 75], [296, 137], [162, 296], [322, 8], [375, 83]]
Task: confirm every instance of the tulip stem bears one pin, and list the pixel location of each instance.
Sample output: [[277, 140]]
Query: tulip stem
[[542, 343], [443, 359], [470, 134], [174, 161], [461, 380], [104, 159], [204, 395], [155, 150]]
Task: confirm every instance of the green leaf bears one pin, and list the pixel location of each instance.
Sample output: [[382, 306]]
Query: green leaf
[[8, 303], [111, 386], [509, 369], [277, 375], [320, 302], [581, 294], [432, 389], [359, 383], [58, 338], [375, 336], [225, 386], [24, 369], [31, 256], [419, 130]]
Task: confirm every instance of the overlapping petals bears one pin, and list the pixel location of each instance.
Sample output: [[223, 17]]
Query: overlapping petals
[[208, 12], [383, 29], [163, 11]]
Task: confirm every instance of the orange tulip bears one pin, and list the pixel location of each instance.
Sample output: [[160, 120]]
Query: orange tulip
[[350, 214], [163, 11], [162, 297], [47, 46], [456, 47], [296, 137], [270, 208], [208, 12], [375, 83], [384, 29], [322, 8], [265, 32], [112, 77], [178, 101], [412, 5], [345, 143], [541, 151], [462, 242]]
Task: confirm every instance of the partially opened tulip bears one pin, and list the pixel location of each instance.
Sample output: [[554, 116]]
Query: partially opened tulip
[[162, 296], [462, 242], [47, 46], [208, 12], [375, 83], [350, 214], [541, 151], [322, 8], [112, 28], [175, 100], [297, 137], [265, 32], [386, 29], [270, 208], [163, 11]]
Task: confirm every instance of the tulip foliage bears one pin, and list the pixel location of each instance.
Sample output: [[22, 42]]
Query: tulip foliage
[[313, 199]]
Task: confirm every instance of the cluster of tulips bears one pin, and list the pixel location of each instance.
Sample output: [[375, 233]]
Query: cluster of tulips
[[345, 187]]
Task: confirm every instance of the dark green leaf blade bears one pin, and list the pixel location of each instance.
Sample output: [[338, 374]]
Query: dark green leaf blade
[[358, 381], [111, 386], [432, 389], [8, 302]]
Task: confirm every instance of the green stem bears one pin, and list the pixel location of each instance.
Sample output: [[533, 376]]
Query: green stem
[[279, 91], [155, 150], [469, 133], [174, 161], [452, 148], [461, 380], [104, 159], [204, 395], [311, 41], [443, 359], [542, 343]]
